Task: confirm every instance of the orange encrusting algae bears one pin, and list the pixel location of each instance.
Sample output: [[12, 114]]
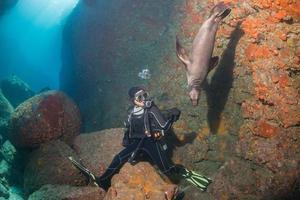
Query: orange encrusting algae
[[265, 129], [255, 51], [282, 8]]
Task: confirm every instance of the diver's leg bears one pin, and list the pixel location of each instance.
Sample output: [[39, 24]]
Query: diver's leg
[[158, 155], [116, 164]]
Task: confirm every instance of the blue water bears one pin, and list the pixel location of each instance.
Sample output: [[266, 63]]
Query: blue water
[[30, 41]]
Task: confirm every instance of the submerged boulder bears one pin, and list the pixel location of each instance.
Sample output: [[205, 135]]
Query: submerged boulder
[[239, 179], [16, 90], [44, 117], [50, 165], [15, 193], [12, 165], [6, 110], [58, 192], [4, 169], [97, 149], [8, 151], [140, 181], [4, 188], [5, 107]]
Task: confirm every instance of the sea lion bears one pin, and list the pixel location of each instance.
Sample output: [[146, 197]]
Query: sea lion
[[200, 61]]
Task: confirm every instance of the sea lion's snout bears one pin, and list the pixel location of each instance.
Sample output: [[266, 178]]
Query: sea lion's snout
[[194, 96], [194, 102], [220, 11]]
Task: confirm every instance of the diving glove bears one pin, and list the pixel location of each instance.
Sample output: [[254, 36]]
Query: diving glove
[[196, 179], [175, 114], [85, 171]]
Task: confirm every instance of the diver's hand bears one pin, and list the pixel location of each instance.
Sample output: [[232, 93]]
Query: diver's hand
[[157, 135], [147, 134], [175, 112]]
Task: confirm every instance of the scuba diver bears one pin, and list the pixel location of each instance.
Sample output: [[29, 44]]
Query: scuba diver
[[145, 127]]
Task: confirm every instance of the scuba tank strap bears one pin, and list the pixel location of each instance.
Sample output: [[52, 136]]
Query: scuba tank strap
[[146, 121], [147, 129]]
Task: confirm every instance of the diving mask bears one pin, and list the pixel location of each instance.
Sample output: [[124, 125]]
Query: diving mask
[[141, 95]]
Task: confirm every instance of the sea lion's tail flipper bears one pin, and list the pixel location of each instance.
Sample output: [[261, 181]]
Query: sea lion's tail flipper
[[182, 53], [220, 10], [213, 63]]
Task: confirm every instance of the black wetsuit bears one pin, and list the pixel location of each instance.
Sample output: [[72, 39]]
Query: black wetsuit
[[135, 140]]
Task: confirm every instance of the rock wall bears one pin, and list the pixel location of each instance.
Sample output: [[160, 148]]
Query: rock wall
[[248, 117], [120, 39]]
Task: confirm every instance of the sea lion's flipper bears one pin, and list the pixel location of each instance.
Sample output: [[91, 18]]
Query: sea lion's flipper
[[220, 10], [182, 53], [213, 63]]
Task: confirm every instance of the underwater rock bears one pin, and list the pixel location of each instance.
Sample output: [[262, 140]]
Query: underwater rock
[[4, 188], [278, 153], [190, 145], [140, 181], [97, 149], [4, 130], [8, 151], [15, 193], [44, 117], [67, 192], [50, 165], [269, 136], [5, 107], [4, 169], [14, 161], [239, 179], [256, 83], [6, 110], [16, 90]]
